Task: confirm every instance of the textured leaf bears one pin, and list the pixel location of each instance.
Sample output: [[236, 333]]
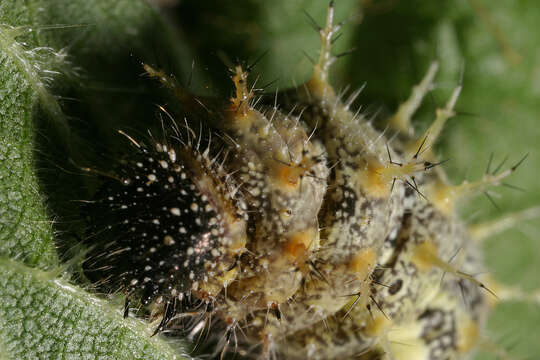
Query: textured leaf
[[42, 317], [51, 50], [25, 228]]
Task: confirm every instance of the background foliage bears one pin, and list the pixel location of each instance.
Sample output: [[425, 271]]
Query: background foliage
[[70, 75]]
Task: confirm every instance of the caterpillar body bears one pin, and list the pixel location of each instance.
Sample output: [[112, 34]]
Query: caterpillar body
[[294, 229]]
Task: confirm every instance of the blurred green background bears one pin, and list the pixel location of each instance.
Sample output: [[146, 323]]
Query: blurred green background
[[92, 52]]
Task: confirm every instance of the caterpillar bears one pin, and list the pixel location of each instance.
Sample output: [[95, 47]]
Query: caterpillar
[[312, 233]]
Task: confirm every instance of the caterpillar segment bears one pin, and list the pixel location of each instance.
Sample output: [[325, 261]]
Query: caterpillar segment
[[401, 291], [284, 180]]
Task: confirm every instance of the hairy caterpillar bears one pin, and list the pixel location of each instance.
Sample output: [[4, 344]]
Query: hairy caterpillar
[[392, 172]]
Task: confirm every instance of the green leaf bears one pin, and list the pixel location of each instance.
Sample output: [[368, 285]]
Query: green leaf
[[25, 228], [51, 52], [282, 32], [43, 317]]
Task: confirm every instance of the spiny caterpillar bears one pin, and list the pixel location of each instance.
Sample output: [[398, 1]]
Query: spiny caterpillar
[[294, 229]]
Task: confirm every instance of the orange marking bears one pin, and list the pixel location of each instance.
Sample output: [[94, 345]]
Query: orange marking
[[373, 179], [468, 336], [425, 257], [363, 262], [242, 96], [289, 175], [298, 246], [377, 325]]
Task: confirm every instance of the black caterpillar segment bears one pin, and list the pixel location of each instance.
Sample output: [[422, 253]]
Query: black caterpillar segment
[[166, 222]]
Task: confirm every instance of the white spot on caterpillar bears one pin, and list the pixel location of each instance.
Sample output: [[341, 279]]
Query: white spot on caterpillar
[[172, 155], [168, 240]]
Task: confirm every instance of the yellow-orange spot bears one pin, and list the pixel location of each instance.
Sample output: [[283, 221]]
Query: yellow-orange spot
[[377, 178], [288, 175], [389, 172], [295, 249], [217, 283], [371, 180], [443, 197], [377, 325], [242, 121], [319, 87], [362, 262], [297, 246], [425, 256], [468, 336]]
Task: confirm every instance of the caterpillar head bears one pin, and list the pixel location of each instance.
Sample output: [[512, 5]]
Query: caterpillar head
[[166, 223]]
